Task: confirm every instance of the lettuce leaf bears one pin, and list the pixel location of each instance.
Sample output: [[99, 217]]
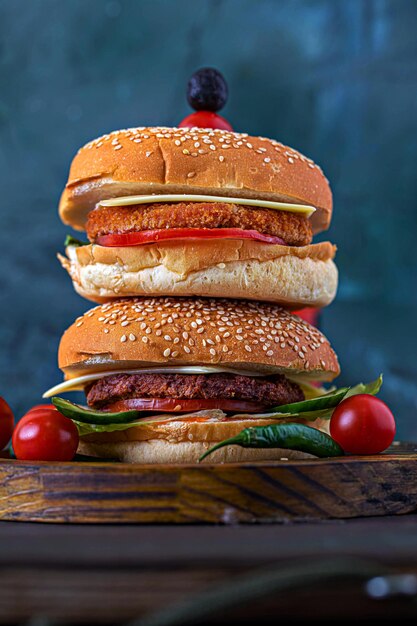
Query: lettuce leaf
[[72, 241]]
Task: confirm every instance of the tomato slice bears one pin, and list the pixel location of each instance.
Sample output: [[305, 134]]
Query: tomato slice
[[174, 405], [152, 236]]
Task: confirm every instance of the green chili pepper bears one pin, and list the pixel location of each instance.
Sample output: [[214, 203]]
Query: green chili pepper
[[87, 416], [290, 436]]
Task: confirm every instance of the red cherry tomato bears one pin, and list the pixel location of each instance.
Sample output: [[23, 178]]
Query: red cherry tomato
[[42, 407], [363, 424], [205, 119], [309, 315], [151, 236], [45, 435], [6, 423]]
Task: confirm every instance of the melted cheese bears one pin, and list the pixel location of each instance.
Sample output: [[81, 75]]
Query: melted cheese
[[303, 209]]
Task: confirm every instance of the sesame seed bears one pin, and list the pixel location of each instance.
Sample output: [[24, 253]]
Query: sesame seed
[[132, 337], [145, 339], [124, 324], [221, 158], [123, 338], [187, 349], [167, 352], [248, 348], [212, 351]]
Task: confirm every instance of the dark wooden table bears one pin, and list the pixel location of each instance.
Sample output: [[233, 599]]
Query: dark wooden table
[[111, 574]]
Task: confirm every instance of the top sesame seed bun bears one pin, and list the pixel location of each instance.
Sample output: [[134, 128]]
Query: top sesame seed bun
[[138, 332], [141, 161]]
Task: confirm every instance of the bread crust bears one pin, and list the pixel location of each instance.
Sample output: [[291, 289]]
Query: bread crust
[[140, 161], [147, 332], [291, 276]]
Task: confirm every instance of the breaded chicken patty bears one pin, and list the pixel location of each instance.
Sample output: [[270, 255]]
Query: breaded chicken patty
[[294, 229]]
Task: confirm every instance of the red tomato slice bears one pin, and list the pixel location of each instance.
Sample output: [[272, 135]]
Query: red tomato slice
[[152, 236], [173, 405]]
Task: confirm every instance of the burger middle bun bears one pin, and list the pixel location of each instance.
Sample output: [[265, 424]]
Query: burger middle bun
[[291, 276], [153, 332]]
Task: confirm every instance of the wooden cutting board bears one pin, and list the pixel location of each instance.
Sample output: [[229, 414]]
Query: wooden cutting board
[[273, 492]]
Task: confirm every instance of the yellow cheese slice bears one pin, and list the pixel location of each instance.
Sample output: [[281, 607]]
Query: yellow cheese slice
[[302, 209]]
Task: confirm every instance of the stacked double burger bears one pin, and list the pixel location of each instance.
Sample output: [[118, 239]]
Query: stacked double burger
[[200, 245]]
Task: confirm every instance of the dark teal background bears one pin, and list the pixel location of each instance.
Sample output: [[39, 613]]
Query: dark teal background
[[336, 79]]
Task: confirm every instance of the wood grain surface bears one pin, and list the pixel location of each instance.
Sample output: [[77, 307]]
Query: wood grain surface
[[103, 492]]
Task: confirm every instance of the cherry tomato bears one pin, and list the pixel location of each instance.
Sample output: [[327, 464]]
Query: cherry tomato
[[309, 314], [151, 236], [44, 434], [177, 405], [205, 119], [42, 407], [6, 423], [363, 424]]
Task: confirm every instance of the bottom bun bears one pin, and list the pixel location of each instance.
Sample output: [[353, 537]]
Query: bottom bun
[[182, 442], [162, 452]]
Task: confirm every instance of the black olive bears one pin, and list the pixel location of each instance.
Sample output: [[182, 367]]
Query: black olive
[[207, 90]]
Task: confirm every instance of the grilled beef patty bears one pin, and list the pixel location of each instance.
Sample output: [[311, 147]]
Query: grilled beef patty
[[268, 391]]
